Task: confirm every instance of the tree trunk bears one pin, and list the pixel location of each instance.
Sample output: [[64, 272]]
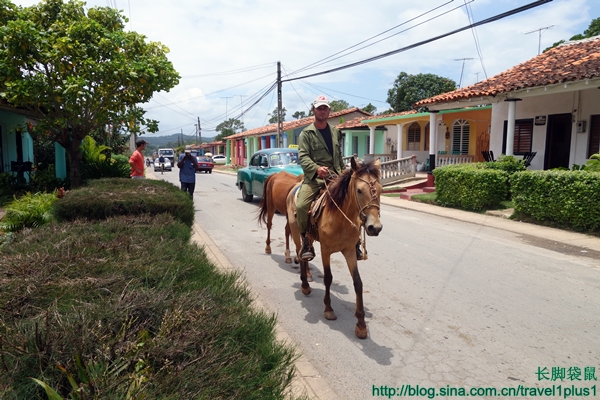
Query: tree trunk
[[71, 139]]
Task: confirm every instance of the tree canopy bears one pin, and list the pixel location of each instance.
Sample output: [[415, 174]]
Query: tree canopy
[[409, 89], [77, 73], [273, 115], [592, 30], [228, 128]]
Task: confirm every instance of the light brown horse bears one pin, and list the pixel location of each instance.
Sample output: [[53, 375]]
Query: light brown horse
[[275, 190], [352, 200]]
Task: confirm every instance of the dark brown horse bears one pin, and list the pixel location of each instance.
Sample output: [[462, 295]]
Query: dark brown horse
[[275, 190], [351, 202]]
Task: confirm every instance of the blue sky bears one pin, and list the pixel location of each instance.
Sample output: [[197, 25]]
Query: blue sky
[[226, 51]]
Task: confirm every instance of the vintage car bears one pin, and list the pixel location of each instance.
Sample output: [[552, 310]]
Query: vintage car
[[205, 164], [263, 163], [167, 165]]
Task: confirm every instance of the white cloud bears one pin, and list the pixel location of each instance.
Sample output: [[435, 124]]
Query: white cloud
[[207, 37]]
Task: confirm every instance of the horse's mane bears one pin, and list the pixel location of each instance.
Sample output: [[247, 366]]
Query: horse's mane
[[338, 188]]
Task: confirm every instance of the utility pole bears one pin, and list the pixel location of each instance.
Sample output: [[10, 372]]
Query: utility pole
[[539, 35], [462, 70], [279, 107], [226, 108], [242, 95]]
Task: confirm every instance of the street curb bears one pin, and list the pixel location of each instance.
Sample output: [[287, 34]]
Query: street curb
[[575, 239]]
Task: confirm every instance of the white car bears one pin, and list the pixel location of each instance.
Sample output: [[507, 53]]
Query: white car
[[219, 159], [167, 165]]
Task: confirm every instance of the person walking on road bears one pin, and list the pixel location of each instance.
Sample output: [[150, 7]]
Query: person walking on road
[[188, 166], [320, 156], [161, 162], [136, 161]]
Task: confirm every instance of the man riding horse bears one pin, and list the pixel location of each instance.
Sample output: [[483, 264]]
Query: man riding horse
[[320, 156]]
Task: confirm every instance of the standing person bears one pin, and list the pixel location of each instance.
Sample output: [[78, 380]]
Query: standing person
[[319, 155], [137, 160], [161, 162], [188, 166]]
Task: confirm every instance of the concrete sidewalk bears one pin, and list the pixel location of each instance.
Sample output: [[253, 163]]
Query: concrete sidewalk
[[584, 242]]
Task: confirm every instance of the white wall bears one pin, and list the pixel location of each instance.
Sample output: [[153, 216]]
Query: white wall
[[581, 104]]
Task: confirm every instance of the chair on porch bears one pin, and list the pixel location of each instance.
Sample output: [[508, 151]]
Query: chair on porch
[[488, 156], [528, 157]]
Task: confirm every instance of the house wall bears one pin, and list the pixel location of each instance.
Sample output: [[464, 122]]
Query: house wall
[[582, 104], [8, 123]]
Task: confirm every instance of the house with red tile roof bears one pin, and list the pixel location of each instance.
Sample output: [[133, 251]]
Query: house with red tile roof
[[549, 104], [462, 133], [242, 145]]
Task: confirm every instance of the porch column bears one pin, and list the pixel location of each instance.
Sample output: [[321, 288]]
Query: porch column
[[400, 140], [510, 129], [372, 140], [432, 138]]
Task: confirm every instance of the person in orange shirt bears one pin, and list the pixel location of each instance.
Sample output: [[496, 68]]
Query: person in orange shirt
[[137, 160]]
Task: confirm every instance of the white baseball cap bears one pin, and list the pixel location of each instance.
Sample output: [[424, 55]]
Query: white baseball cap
[[321, 101]]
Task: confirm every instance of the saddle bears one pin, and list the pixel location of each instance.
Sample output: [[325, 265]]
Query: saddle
[[314, 211]]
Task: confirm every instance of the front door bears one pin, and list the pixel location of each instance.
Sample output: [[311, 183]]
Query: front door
[[558, 141]]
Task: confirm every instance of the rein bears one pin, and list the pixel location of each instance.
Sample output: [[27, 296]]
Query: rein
[[361, 210]]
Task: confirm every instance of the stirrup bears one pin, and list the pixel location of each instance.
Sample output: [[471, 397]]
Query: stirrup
[[307, 252]]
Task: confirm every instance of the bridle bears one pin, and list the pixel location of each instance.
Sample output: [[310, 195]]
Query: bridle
[[374, 202]]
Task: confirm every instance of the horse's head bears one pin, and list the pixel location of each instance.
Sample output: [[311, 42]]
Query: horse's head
[[367, 192]]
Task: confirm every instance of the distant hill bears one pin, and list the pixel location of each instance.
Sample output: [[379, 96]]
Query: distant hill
[[172, 140]]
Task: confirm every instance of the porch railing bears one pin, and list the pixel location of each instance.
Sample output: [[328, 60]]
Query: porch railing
[[450, 159], [396, 170]]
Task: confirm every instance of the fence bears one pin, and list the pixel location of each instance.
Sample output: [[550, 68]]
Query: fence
[[450, 159]]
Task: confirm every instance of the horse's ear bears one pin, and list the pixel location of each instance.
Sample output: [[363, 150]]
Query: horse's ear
[[378, 163], [353, 164]]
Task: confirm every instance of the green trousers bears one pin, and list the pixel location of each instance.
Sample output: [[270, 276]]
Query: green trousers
[[306, 195]]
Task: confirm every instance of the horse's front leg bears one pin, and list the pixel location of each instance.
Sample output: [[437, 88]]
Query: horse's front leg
[[359, 311], [305, 286], [328, 279], [288, 258]]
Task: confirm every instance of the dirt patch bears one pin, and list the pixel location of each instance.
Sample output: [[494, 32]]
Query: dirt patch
[[561, 247]]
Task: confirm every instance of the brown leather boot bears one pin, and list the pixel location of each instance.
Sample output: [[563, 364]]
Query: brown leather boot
[[307, 252], [359, 253]]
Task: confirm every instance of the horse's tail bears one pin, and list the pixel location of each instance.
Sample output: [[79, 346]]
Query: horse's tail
[[266, 201]]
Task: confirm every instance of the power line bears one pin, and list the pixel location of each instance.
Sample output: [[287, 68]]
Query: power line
[[462, 69], [475, 37], [418, 44], [320, 62]]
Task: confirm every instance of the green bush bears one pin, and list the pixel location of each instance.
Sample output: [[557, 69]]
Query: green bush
[[104, 198], [470, 186], [508, 164], [569, 198], [28, 211]]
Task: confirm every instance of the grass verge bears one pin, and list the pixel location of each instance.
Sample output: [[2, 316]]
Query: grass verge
[[127, 307]]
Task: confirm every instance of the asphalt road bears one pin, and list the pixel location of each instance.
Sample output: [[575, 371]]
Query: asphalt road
[[450, 305]]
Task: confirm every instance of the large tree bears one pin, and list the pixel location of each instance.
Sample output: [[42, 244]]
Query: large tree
[[79, 72], [273, 115], [228, 128], [592, 30], [409, 89]]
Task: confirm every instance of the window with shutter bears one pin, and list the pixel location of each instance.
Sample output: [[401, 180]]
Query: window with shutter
[[594, 138], [523, 136], [460, 137], [414, 137]]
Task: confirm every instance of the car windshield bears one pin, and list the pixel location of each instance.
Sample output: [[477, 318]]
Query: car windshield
[[280, 159], [205, 159]]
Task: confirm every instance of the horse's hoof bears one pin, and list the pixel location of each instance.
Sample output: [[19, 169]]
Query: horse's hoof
[[306, 291], [288, 260], [268, 250], [330, 315], [296, 260], [361, 332], [309, 278]]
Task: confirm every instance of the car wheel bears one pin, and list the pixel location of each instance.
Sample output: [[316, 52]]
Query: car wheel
[[245, 196], [210, 172]]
